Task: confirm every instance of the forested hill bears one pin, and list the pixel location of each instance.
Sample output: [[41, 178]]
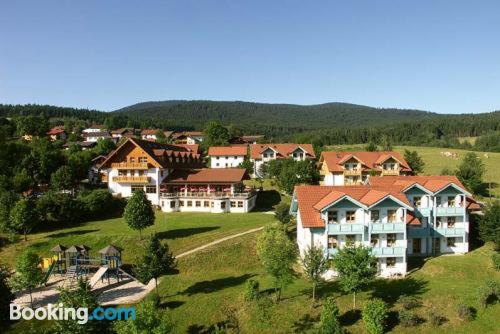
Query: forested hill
[[253, 115]]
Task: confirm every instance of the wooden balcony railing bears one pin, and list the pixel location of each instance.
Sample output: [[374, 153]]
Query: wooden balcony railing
[[351, 172], [390, 172], [130, 165], [131, 179]]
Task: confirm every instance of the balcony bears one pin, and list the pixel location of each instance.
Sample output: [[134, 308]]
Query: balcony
[[390, 172], [131, 179], [130, 165], [346, 228], [449, 211], [449, 232], [388, 251], [211, 195], [352, 172], [423, 212], [388, 227], [415, 232]]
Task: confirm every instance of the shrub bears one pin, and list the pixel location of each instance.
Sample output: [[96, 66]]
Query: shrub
[[99, 203], [251, 290], [496, 260], [435, 318], [330, 318], [465, 312], [409, 302], [374, 315], [282, 213], [407, 318], [488, 293], [59, 207]]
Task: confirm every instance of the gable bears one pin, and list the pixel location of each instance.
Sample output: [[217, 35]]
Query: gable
[[388, 202], [345, 203]]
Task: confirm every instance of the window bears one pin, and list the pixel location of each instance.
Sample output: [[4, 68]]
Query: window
[[438, 222], [450, 242], [217, 158], [374, 240], [181, 203], [222, 205], [122, 173], [189, 203], [390, 262], [438, 201], [451, 221], [451, 200], [350, 239], [264, 155], [240, 204], [391, 240], [132, 159], [150, 190], [217, 164], [172, 204], [235, 157], [197, 204], [350, 216], [143, 159], [136, 188], [375, 215], [206, 204], [391, 216], [161, 173], [417, 201], [332, 241], [233, 204], [332, 217]]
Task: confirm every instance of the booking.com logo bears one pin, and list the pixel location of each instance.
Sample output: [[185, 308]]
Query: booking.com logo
[[81, 314]]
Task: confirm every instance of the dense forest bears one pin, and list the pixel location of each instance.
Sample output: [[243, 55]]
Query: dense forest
[[326, 124]]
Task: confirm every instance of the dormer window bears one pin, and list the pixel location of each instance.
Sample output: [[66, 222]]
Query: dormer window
[[451, 201], [332, 217], [375, 215], [391, 216], [417, 201], [350, 217], [264, 155]]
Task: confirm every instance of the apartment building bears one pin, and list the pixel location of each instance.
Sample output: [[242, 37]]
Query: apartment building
[[226, 156], [95, 136], [354, 168], [151, 134], [396, 216], [262, 153], [188, 137]]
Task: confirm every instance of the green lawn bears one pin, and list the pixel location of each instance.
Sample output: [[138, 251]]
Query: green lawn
[[182, 231], [209, 284], [435, 162]]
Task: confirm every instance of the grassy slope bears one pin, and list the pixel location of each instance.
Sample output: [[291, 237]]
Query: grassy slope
[[183, 231], [211, 282]]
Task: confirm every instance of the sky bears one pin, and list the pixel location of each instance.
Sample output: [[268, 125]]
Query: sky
[[435, 55]]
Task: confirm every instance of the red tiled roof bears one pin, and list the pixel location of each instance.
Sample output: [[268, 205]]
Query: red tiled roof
[[432, 183], [227, 150], [207, 175], [145, 132], [412, 220], [283, 150], [190, 147], [369, 160], [56, 130], [187, 134]]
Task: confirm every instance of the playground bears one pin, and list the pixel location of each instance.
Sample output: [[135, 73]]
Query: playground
[[103, 272]]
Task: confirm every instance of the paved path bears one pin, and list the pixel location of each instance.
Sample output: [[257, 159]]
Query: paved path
[[218, 241]]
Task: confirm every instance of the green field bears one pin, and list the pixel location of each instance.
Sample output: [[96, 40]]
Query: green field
[[435, 162]]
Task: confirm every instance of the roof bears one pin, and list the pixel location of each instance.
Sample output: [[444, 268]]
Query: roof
[[369, 160], [110, 249], [190, 147], [56, 130], [282, 150], [58, 249], [149, 131], [434, 183], [104, 134], [187, 134], [122, 130], [78, 249], [207, 175], [96, 126], [227, 150]]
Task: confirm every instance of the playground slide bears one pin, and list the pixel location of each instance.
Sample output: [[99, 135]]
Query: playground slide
[[49, 271], [97, 276]]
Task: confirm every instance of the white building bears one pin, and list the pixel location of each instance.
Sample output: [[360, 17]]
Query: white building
[[188, 137], [262, 153], [226, 156], [395, 216], [94, 128], [95, 136]]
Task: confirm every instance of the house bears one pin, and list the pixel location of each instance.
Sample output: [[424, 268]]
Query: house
[[57, 133], [207, 190], [140, 164], [94, 173], [226, 156], [195, 148], [261, 153], [354, 168], [396, 216], [188, 137], [123, 133], [94, 128], [95, 136], [151, 134]]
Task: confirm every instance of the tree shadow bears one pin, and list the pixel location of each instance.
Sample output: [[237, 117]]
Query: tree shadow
[[185, 232], [266, 200], [304, 323], [391, 321], [70, 233], [172, 304], [389, 290], [215, 285], [350, 317], [415, 263]]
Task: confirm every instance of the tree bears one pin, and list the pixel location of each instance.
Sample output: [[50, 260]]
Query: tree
[[149, 319], [32, 125], [157, 261], [356, 268], [104, 146], [470, 172], [371, 147], [6, 295], [138, 212], [374, 316], [160, 137], [22, 182], [386, 143], [278, 255], [489, 224], [23, 217], [446, 171], [315, 266], [329, 323], [248, 165], [282, 213], [28, 274], [216, 134], [7, 201], [63, 179], [415, 161]]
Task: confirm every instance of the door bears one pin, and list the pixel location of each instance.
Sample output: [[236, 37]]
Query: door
[[417, 246], [437, 245]]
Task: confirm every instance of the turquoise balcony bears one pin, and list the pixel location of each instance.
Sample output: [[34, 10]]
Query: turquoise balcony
[[423, 212], [418, 232], [449, 232], [388, 251], [451, 211], [388, 227], [346, 228]]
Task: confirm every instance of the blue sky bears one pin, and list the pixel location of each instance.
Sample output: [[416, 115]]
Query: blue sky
[[442, 56]]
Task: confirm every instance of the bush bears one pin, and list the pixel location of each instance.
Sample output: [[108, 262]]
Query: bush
[[407, 318], [374, 315], [409, 302], [59, 207], [465, 312], [251, 290], [330, 323], [282, 213], [99, 203], [435, 318], [496, 260], [488, 293]]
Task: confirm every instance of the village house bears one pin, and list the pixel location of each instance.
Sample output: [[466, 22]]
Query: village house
[[57, 133], [354, 168], [188, 137], [151, 134], [396, 216], [95, 128], [123, 133], [95, 136], [262, 153], [226, 156]]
